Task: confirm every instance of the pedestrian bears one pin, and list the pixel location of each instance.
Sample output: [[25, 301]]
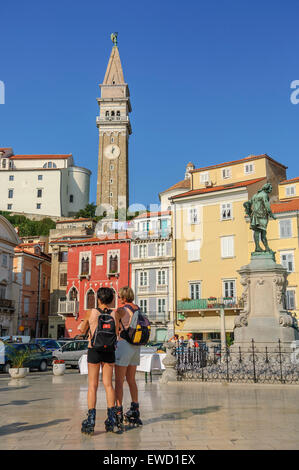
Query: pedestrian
[[97, 358], [174, 339], [127, 360], [190, 341]]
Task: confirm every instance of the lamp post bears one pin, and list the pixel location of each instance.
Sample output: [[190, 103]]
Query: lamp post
[[222, 331]]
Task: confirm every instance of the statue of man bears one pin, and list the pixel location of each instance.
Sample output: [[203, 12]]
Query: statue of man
[[259, 211]]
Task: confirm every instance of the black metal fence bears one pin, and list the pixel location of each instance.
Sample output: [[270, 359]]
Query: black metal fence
[[255, 363]]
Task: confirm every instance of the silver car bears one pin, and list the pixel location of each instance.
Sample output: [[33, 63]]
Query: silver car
[[71, 352]]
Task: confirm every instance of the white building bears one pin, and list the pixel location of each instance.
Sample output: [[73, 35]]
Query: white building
[[9, 289], [47, 185]]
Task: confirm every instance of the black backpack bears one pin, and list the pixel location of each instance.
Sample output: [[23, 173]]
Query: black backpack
[[104, 338], [139, 329]]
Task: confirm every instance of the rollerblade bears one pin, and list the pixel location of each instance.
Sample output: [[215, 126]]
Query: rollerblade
[[89, 423], [120, 418], [111, 421], [132, 416]]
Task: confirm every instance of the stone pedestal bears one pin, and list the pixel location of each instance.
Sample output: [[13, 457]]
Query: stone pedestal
[[264, 317], [170, 373]]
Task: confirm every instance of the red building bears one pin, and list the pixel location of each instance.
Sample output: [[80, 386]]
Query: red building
[[92, 263]]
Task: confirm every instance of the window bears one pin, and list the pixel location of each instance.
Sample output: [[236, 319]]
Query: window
[[28, 278], [71, 198], [285, 228], [290, 299], [161, 305], [63, 279], [142, 251], [50, 165], [2, 291], [38, 206], [90, 299], [193, 248], [113, 264], [204, 177], [4, 163], [287, 260], [40, 177], [73, 294], [161, 278], [10, 193], [111, 181], [111, 167], [227, 247], [143, 278], [111, 194], [44, 281], [84, 266], [4, 260], [99, 260], [248, 168], [229, 288], [161, 249], [143, 305], [290, 191], [9, 207], [226, 173], [226, 211], [117, 113], [26, 305], [112, 113], [11, 177], [107, 113], [195, 290], [39, 193], [62, 257], [193, 216], [112, 140]]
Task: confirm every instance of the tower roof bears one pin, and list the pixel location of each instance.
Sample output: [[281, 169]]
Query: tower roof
[[114, 73]]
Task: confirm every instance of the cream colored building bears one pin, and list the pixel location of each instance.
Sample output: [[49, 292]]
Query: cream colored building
[[212, 240], [49, 185]]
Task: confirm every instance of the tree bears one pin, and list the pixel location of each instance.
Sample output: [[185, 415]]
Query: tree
[[88, 212]]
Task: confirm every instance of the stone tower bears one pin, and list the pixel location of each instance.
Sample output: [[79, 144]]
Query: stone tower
[[114, 130]]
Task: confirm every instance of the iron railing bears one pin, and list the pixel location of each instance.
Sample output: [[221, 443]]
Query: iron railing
[[210, 303], [255, 364]]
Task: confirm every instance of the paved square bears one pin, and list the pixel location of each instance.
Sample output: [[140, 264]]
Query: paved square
[[45, 412]]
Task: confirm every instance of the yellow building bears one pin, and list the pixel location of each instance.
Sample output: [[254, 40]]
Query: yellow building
[[212, 240]]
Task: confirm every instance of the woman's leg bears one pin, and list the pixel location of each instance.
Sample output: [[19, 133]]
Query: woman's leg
[[120, 373], [107, 372], [130, 376], [93, 381]]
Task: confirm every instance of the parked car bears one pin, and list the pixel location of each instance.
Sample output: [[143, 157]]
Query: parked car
[[39, 358], [71, 352], [46, 343], [158, 346]]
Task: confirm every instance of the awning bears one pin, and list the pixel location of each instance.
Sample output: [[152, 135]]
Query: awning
[[208, 324]]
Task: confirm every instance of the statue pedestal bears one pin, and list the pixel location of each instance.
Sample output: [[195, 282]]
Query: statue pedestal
[[264, 317]]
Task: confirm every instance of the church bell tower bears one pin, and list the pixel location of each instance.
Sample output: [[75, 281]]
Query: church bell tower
[[114, 130]]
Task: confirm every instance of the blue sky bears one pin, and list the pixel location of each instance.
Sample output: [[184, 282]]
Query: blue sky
[[209, 82]]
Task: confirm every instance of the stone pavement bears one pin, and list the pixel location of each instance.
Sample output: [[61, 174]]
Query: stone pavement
[[45, 412]]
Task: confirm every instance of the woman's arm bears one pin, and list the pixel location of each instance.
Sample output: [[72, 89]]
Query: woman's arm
[[84, 325]]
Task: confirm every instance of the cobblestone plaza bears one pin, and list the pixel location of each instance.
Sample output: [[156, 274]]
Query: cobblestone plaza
[[44, 412]]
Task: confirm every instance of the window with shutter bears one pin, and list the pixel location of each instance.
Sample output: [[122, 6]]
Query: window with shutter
[[195, 290], [285, 228], [287, 260], [290, 191], [227, 247], [63, 279], [90, 299], [291, 304], [226, 211], [193, 248]]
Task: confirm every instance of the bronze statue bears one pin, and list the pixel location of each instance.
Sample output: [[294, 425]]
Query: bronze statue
[[259, 210], [114, 38]]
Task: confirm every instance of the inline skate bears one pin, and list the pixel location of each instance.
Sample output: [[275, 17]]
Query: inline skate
[[132, 416], [120, 418], [89, 423], [111, 423]]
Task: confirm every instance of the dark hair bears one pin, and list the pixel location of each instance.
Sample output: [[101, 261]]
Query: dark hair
[[105, 295]]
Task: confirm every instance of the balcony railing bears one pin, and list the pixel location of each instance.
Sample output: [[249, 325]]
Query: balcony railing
[[159, 317], [210, 303], [68, 307], [144, 234], [7, 303]]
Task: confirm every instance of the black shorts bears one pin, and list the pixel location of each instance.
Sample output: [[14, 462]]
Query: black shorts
[[95, 357]]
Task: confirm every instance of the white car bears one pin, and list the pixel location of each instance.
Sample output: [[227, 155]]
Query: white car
[[71, 352]]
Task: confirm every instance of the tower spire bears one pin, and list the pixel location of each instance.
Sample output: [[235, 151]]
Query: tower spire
[[114, 72]]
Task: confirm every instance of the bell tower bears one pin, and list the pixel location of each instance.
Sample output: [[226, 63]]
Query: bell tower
[[114, 130]]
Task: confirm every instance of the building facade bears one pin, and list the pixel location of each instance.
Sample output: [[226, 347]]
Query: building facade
[[93, 263], [114, 130], [9, 289], [49, 185], [212, 240], [32, 270], [152, 271]]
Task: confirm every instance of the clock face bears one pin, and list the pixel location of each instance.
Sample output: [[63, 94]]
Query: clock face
[[112, 151]]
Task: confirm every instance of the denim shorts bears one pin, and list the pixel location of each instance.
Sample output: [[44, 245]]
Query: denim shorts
[[127, 354]]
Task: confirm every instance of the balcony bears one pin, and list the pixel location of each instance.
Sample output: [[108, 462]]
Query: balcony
[[68, 307], [112, 118], [151, 234], [212, 303], [7, 304], [158, 317]]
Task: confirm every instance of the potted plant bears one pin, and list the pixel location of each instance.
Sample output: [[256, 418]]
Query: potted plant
[[58, 367], [17, 360]]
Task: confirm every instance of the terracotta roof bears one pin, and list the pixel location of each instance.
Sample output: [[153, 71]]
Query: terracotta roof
[[32, 244], [219, 188], [235, 162], [149, 214], [180, 185], [287, 206], [43, 256], [40, 157], [116, 237], [74, 220], [293, 180]]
